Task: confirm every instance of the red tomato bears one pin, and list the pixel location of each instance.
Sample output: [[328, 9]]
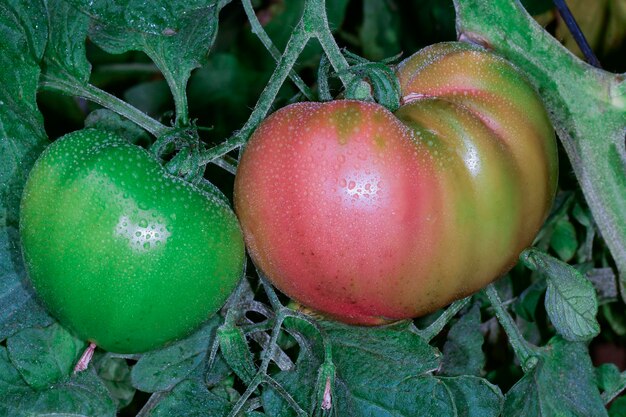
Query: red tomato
[[370, 217]]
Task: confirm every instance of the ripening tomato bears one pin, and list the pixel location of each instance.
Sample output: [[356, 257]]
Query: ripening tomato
[[121, 252], [370, 217]]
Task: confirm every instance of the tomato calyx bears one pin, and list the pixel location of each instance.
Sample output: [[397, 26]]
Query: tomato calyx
[[85, 359], [374, 81], [185, 141]]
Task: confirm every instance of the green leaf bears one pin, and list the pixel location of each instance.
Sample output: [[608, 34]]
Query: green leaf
[[115, 373], [462, 352], [583, 216], [608, 376], [570, 300], [562, 384], [618, 408], [190, 399], [563, 239], [44, 356], [423, 396], [81, 395], [380, 371], [299, 382], [65, 59], [24, 31], [162, 369], [176, 35], [368, 356], [380, 30], [236, 352], [526, 304], [474, 396], [12, 385]]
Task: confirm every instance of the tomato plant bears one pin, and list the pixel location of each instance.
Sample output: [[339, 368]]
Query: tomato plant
[[435, 188], [371, 217], [123, 253]]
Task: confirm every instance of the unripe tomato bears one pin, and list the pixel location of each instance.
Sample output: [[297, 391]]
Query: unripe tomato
[[121, 252], [369, 217]]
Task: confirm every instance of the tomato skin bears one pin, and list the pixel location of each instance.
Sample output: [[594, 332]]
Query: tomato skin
[[124, 254], [370, 217]]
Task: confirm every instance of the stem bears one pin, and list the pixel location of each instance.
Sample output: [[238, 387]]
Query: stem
[[258, 30], [152, 402], [578, 35], [522, 349], [271, 294], [294, 47], [227, 163], [316, 22], [177, 83], [437, 326], [108, 101], [283, 393], [256, 381]]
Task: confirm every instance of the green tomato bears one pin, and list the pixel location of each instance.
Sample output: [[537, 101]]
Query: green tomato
[[121, 252]]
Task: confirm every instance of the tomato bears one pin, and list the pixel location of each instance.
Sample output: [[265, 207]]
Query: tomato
[[122, 253], [370, 217]]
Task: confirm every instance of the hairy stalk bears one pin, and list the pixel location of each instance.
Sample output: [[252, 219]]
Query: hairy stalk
[[314, 23], [296, 44], [107, 100], [437, 326], [521, 347], [257, 29]]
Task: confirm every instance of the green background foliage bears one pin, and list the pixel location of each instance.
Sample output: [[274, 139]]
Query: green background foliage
[[547, 339]]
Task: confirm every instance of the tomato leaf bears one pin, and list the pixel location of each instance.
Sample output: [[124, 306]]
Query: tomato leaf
[[176, 35], [426, 396], [381, 371], [474, 396], [462, 352], [562, 383], [82, 394], [526, 304], [44, 356], [24, 30], [618, 408], [570, 300], [563, 239], [65, 58], [299, 382], [608, 376], [192, 399], [115, 373], [163, 369]]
